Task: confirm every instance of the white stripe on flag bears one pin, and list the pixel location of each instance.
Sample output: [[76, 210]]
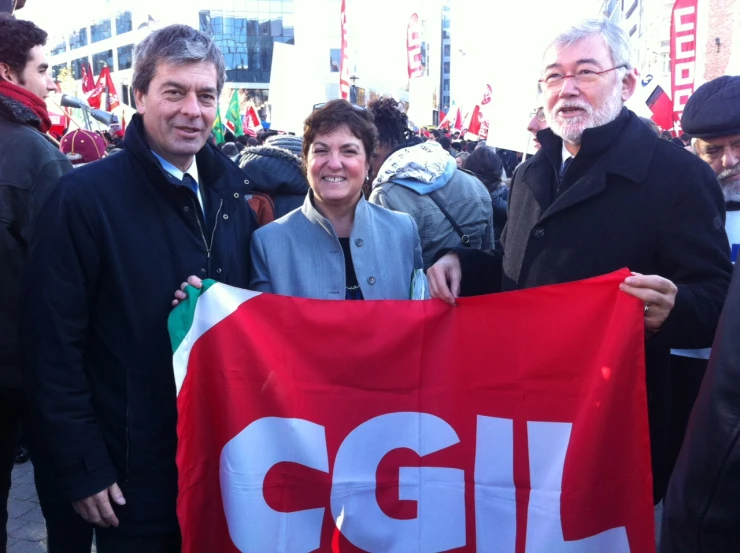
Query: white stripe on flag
[[214, 305]]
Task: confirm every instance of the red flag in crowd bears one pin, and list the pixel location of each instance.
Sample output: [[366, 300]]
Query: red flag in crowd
[[661, 107], [252, 124], [413, 47], [87, 79], [309, 425], [109, 85], [344, 61]]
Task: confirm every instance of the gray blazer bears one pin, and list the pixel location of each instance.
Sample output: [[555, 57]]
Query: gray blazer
[[300, 255]]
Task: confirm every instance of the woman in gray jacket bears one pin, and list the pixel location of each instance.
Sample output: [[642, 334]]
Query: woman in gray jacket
[[337, 245]]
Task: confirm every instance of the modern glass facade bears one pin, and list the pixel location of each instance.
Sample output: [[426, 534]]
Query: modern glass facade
[[60, 48], [247, 33], [56, 69], [125, 57], [124, 23], [101, 59], [100, 30], [78, 38]]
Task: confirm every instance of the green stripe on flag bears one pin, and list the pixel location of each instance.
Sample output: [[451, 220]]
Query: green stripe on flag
[[181, 318]]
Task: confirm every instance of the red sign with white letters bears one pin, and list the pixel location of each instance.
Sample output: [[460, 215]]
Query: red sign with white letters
[[512, 423], [683, 55]]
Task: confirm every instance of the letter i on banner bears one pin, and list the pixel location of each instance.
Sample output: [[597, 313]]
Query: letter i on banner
[[344, 62]]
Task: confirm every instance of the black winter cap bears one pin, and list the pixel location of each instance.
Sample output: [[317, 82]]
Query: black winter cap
[[713, 109]]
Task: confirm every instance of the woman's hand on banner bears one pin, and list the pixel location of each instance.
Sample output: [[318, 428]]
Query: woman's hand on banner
[[181, 294], [444, 278]]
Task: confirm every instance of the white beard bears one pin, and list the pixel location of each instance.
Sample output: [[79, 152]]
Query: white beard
[[731, 190], [571, 130]]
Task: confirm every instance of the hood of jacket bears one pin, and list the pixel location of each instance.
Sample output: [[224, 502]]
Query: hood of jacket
[[423, 168], [274, 170], [14, 111]]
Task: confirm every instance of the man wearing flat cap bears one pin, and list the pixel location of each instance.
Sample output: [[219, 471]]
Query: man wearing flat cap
[[702, 507]]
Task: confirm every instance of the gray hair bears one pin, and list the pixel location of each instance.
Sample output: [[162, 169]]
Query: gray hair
[[177, 45], [615, 38]]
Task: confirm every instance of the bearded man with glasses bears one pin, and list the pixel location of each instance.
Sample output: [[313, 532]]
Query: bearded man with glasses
[[603, 193]]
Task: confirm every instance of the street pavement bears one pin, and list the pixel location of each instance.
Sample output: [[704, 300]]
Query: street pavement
[[26, 530]]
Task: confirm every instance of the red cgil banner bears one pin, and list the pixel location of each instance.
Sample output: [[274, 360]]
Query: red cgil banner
[[683, 55], [413, 47], [512, 423], [344, 61]]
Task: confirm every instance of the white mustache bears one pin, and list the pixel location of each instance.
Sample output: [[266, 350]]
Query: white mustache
[[573, 105], [727, 173]]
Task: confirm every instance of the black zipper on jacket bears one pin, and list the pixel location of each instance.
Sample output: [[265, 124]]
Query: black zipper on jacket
[[203, 234]]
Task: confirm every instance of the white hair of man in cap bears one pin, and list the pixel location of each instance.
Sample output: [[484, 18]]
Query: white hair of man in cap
[[712, 119]]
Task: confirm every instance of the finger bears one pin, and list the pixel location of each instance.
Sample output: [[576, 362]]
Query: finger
[[653, 282], [180, 295], [183, 286], [455, 280], [195, 282], [116, 495], [438, 285], [106, 510], [646, 295], [175, 303], [92, 514]]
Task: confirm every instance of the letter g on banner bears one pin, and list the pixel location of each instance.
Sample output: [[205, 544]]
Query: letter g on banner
[[254, 527], [440, 525]]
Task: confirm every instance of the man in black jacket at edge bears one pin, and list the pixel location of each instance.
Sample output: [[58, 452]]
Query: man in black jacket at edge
[[604, 193], [114, 240], [702, 506], [30, 166]]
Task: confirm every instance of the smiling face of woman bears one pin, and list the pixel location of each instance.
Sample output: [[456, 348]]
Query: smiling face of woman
[[337, 167]]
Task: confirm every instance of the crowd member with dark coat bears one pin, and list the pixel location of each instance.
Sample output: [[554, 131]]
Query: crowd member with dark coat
[[485, 164], [30, 166], [605, 193], [702, 507], [114, 239], [276, 170]]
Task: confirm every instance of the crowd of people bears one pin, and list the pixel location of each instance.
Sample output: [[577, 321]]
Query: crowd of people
[[96, 236]]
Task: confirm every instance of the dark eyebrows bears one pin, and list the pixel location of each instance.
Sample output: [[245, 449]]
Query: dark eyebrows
[[173, 84], [182, 88], [43, 67]]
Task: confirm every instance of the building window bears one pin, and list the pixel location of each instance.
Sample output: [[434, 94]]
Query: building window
[[125, 57], [78, 39], [101, 59], [77, 66], [246, 38], [632, 9], [124, 24], [100, 31], [335, 58], [56, 69], [446, 50], [59, 48], [446, 67], [633, 30]]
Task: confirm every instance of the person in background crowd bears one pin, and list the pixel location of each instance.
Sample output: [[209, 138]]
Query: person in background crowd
[[229, 137], [603, 193], [230, 150], [296, 255], [536, 124], [686, 139], [82, 147], [30, 166], [456, 147], [485, 164], [264, 135], [470, 146], [460, 159], [666, 135], [277, 169], [446, 144], [117, 237], [434, 135], [449, 206], [393, 133], [701, 508], [652, 125]]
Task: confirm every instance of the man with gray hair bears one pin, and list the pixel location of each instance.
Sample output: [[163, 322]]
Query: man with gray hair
[[604, 193], [115, 239]]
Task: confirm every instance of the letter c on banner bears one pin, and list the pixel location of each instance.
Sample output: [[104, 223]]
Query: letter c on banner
[[254, 527], [440, 492]]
